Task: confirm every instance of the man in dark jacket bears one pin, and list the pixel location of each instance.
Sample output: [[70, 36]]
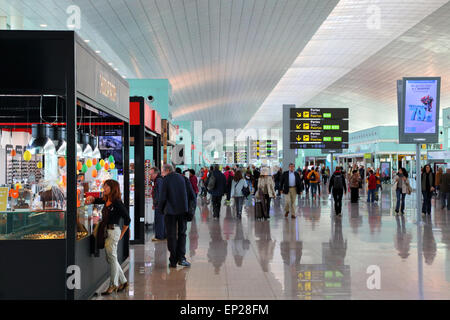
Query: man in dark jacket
[[337, 184], [445, 189], [176, 192], [291, 185], [160, 228], [218, 190]]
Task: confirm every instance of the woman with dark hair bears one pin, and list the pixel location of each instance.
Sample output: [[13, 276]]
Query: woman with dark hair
[[113, 211], [237, 185], [428, 185], [402, 188], [354, 186]]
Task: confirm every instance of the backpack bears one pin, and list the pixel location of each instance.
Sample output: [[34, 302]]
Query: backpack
[[338, 183], [313, 177], [211, 182]]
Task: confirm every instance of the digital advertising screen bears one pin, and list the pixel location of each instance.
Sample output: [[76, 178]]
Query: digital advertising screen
[[419, 116]]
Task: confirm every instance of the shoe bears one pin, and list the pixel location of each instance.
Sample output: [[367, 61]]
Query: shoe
[[184, 263], [109, 291], [292, 216], [396, 211], [402, 213], [122, 287], [172, 265], [157, 239], [286, 214]]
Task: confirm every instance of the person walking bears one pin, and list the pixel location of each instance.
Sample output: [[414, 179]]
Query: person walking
[[277, 179], [354, 186], [266, 191], [203, 182], [314, 179], [379, 186], [237, 194], [159, 226], [216, 186], [401, 187], [428, 185], [291, 185], [229, 178], [305, 174], [113, 211], [327, 175], [256, 175], [194, 183], [176, 192], [372, 186], [249, 179], [337, 187], [439, 174], [445, 189]]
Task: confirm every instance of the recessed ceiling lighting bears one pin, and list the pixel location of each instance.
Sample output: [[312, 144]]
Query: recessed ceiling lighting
[[124, 77], [71, 26], [43, 25], [110, 63], [97, 51], [87, 40], [116, 69]]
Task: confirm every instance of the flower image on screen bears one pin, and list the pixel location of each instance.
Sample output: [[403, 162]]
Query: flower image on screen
[[420, 106]]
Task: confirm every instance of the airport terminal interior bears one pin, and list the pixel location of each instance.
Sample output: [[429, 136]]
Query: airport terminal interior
[[225, 150]]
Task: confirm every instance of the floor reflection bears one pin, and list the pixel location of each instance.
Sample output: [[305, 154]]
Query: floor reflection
[[315, 256]]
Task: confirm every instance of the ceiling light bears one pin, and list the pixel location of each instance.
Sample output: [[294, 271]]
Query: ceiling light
[[60, 141], [43, 25], [6, 139], [79, 148], [40, 142], [97, 51], [110, 63], [87, 149], [94, 144], [87, 41], [116, 69]]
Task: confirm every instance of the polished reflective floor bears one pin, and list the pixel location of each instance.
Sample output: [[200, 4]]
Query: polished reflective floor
[[368, 253]]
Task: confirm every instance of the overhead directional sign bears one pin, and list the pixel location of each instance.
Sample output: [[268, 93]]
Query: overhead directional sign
[[318, 124], [316, 113], [263, 149], [314, 128]]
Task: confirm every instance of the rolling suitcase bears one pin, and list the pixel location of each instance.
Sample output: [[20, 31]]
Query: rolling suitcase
[[259, 211]]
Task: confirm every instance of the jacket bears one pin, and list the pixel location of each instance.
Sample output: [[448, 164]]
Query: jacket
[[331, 184], [438, 178], [432, 183], [405, 184], [354, 180], [156, 191], [445, 183], [194, 183], [317, 176], [372, 182], [284, 183], [267, 181], [220, 184], [236, 188], [175, 193]]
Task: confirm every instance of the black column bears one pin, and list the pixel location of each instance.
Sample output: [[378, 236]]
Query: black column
[[126, 181]]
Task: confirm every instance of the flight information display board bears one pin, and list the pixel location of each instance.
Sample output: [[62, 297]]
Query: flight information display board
[[263, 149], [240, 157], [314, 128]]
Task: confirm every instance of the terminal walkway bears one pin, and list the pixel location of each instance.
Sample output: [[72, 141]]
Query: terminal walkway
[[315, 256]]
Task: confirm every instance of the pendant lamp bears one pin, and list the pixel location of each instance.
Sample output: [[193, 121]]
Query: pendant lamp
[[6, 139], [87, 149], [40, 142], [79, 148], [94, 144], [60, 141]]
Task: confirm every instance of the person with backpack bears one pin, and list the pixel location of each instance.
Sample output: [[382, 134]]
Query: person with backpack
[[239, 191], [372, 186], [229, 174], [216, 186], [292, 186], [428, 185], [314, 180], [402, 188], [445, 189], [337, 186], [249, 179]]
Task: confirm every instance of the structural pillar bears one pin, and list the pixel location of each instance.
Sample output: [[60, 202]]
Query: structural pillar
[[288, 153]]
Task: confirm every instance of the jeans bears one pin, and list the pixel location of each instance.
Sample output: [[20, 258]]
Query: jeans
[[216, 201], [313, 189], [239, 202], [325, 178], [370, 194], [176, 226], [111, 243], [337, 195], [445, 197], [160, 229], [400, 196], [426, 207]]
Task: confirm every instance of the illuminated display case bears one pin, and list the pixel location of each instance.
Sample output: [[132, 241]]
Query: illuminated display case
[[58, 99]]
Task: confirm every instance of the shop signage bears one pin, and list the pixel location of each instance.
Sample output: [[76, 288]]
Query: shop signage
[[367, 156], [314, 128], [107, 88], [419, 100], [438, 155], [3, 198]]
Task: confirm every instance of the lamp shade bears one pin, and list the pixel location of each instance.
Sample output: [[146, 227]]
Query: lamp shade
[[6, 139], [96, 152], [87, 149], [40, 142], [60, 141], [79, 147]]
